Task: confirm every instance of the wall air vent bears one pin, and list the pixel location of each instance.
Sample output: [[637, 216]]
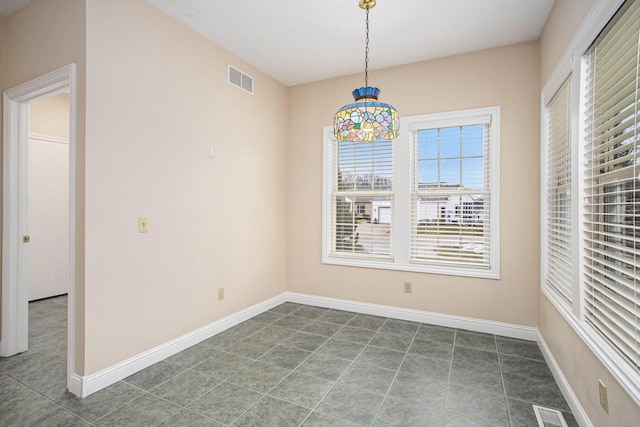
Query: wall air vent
[[548, 417], [239, 79]]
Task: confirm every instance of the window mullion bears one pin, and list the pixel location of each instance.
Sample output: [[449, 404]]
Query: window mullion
[[402, 188], [579, 167]]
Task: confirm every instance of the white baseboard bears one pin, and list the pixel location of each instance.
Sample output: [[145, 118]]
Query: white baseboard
[[467, 323], [76, 385], [576, 408], [1, 348], [86, 385], [83, 386]]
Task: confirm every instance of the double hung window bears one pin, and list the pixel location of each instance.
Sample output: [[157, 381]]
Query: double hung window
[[451, 194], [559, 210], [612, 185], [426, 201]]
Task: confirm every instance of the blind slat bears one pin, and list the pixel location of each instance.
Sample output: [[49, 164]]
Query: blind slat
[[362, 194], [612, 185], [451, 198], [559, 231]]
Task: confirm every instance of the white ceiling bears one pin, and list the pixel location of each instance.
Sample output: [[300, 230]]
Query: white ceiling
[[300, 41]]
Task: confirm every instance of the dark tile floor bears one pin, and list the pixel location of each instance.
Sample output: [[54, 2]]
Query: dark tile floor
[[293, 365]]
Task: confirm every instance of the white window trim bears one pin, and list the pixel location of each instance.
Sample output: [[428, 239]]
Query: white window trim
[[572, 62], [577, 134], [544, 206], [402, 205]]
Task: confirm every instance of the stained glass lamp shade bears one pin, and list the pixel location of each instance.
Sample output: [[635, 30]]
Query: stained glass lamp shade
[[367, 119]]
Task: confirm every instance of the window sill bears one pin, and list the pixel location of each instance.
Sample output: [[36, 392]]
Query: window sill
[[414, 268]]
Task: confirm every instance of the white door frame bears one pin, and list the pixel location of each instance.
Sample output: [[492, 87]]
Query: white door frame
[[15, 224]]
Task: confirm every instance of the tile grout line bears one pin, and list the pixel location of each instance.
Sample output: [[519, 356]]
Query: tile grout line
[[124, 404], [37, 391], [187, 369], [494, 337], [446, 394], [293, 370], [186, 407], [504, 386], [44, 397], [150, 392], [182, 407], [386, 396], [264, 394], [297, 330], [345, 370]]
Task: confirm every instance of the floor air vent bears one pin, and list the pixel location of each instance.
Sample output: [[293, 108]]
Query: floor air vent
[[239, 79], [548, 417]]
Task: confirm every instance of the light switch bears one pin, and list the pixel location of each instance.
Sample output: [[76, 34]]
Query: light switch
[[143, 224]]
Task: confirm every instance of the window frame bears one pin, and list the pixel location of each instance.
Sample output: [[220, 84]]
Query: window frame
[[485, 116], [574, 64], [566, 301], [378, 158], [401, 223]]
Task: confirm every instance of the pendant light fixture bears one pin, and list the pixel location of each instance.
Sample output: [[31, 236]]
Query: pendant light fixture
[[367, 119]]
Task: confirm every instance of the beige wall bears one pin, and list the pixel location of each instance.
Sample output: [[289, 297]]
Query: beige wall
[[507, 77], [40, 38], [157, 99], [3, 71], [563, 23], [583, 369], [579, 365], [50, 116], [3, 24]]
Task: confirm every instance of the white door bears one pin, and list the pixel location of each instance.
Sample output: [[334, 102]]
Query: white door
[[48, 215]]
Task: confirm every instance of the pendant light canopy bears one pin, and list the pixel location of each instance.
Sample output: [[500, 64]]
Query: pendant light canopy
[[367, 119]]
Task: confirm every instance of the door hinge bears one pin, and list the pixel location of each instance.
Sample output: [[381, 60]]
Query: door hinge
[[26, 239]]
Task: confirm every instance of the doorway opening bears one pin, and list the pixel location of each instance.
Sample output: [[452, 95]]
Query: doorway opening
[[49, 199], [15, 227]]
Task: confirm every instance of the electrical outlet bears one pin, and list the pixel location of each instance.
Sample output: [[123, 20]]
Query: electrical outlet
[[408, 287], [604, 400], [220, 293], [143, 224]]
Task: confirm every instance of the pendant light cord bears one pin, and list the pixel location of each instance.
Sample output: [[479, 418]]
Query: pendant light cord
[[366, 51]]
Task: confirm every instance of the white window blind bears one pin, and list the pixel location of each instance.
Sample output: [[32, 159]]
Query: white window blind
[[559, 253], [612, 187], [362, 199], [451, 197]]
